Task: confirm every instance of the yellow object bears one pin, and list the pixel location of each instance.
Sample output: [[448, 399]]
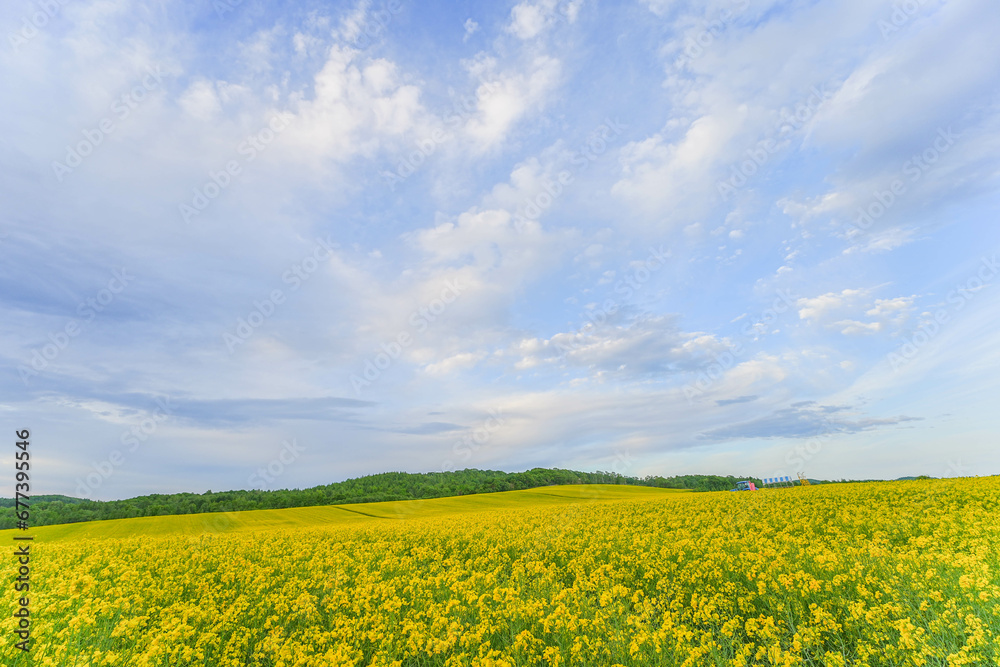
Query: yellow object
[[902, 573]]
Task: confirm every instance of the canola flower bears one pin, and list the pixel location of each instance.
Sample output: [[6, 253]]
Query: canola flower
[[902, 573]]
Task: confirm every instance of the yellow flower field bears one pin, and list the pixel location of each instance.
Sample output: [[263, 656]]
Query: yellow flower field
[[896, 573]]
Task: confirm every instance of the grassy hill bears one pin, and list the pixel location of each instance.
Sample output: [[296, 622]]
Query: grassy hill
[[391, 486], [334, 515]]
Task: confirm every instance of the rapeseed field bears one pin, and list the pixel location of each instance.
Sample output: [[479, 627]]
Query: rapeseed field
[[900, 573]]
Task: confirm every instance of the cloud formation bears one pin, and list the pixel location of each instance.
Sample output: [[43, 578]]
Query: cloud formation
[[569, 212]]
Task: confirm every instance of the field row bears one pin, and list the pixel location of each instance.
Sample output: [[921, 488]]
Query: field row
[[876, 574]]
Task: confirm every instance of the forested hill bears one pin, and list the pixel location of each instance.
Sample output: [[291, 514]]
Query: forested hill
[[49, 510]]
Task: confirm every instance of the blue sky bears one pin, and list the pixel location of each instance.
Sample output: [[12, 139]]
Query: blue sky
[[322, 240]]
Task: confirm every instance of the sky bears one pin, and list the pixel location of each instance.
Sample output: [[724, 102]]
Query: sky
[[264, 244]]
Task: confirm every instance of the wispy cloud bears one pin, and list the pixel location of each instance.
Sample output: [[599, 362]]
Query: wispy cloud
[[763, 201], [802, 420]]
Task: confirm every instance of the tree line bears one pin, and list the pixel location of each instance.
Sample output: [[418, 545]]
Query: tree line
[[51, 510]]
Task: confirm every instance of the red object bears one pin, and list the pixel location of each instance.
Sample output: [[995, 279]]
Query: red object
[[753, 487]]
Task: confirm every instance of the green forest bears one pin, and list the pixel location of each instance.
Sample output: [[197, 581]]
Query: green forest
[[50, 510]]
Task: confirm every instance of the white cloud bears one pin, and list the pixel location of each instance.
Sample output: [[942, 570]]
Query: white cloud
[[882, 241], [353, 111], [353, 23], [200, 100], [646, 347], [951, 100], [461, 361], [675, 179], [854, 327], [886, 313], [505, 98], [820, 307], [893, 309], [529, 19], [470, 28], [356, 106]]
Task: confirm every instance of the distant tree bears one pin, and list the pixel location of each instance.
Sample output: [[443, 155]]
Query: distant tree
[[49, 510]]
